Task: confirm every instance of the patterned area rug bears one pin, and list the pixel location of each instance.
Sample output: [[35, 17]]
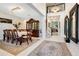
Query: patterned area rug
[[51, 48], [16, 49]]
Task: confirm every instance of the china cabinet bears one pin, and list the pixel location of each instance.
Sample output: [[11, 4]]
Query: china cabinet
[[33, 25]]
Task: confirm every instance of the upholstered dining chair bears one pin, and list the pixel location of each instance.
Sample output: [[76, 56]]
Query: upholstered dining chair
[[22, 37], [6, 35], [14, 36], [29, 35]]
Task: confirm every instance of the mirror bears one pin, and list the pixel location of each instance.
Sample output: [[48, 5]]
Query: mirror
[[73, 26], [73, 30], [66, 26], [66, 29]]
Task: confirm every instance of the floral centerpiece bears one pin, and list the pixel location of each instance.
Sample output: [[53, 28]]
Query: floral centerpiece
[[17, 25]]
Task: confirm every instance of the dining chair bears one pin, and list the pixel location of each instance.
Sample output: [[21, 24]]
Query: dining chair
[[29, 35], [21, 38], [14, 36], [4, 35]]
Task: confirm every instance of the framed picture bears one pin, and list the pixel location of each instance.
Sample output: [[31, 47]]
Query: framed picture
[[74, 23], [4, 20], [56, 8]]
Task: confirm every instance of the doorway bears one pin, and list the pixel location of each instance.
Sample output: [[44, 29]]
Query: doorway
[[54, 28], [53, 25]]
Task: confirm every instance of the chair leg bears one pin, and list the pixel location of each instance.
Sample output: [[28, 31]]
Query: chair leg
[[16, 42], [12, 40], [21, 43], [3, 37], [27, 41], [7, 39], [30, 39]]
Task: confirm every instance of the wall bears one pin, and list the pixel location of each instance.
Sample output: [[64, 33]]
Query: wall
[[6, 25], [68, 7], [41, 7], [43, 27]]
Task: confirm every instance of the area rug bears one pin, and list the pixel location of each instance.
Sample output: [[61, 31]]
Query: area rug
[[16, 49], [50, 48]]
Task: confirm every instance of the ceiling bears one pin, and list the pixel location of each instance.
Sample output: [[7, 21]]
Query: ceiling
[[22, 10], [41, 7]]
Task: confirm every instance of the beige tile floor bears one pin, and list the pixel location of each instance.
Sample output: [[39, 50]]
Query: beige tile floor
[[74, 48]]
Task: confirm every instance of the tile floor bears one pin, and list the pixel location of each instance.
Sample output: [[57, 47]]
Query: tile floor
[[74, 48]]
